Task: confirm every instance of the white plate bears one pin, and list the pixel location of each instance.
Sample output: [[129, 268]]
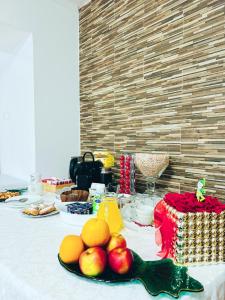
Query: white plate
[[55, 212], [15, 203]]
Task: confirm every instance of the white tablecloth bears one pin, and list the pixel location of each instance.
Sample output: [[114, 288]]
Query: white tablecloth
[[29, 268]]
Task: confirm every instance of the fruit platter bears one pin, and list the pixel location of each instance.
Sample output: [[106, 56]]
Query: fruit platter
[[99, 255]]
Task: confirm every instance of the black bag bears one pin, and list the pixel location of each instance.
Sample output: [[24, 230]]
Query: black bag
[[86, 172]]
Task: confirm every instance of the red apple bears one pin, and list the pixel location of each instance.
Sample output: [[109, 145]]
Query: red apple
[[117, 240], [92, 262], [120, 260]]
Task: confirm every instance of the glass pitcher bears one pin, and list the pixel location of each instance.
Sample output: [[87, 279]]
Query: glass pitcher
[[35, 185], [109, 212]]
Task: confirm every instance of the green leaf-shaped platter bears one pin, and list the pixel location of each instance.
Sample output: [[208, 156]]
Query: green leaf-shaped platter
[[161, 276]]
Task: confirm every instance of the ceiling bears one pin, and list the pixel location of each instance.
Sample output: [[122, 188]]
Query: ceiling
[[81, 3], [78, 3], [11, 40]]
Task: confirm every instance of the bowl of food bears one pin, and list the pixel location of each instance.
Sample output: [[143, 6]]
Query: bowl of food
[[151, 164], [74, 195], [4, 195], [75, 213]]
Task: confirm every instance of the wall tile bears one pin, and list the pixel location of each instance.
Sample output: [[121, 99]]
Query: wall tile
[[152, 79]]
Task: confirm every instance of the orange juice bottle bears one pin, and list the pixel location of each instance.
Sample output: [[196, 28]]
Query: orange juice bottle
[[109, 211]]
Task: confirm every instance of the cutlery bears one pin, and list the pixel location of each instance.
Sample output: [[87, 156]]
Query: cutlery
[[22, 200]]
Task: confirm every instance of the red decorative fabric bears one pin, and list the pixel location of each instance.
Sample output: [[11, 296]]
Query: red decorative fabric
[[165, 230], [188, 202]]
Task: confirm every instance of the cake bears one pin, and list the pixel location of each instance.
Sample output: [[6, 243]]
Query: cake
[[54, 184], [188, 231]]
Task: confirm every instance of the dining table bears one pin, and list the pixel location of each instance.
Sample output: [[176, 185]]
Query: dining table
[[30, 270]]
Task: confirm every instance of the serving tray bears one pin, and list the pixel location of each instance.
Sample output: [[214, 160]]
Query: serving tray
[[161, 276]]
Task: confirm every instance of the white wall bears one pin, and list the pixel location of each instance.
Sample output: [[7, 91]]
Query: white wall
[[4, 60], [55, 30], [17, 113]]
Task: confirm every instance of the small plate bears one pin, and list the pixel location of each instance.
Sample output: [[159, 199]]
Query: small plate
[[15, 203], [55, 212], [161, 276]]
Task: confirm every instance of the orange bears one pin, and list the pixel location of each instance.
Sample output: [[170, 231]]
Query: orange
[[95, 232], [71, 248]]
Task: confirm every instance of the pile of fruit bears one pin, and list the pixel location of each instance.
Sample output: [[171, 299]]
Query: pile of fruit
[[96, 248]]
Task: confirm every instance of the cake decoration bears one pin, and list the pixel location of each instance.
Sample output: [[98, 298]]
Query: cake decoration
[[200, 190]]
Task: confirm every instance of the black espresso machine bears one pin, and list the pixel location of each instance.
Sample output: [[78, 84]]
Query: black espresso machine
[[83, 171]]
